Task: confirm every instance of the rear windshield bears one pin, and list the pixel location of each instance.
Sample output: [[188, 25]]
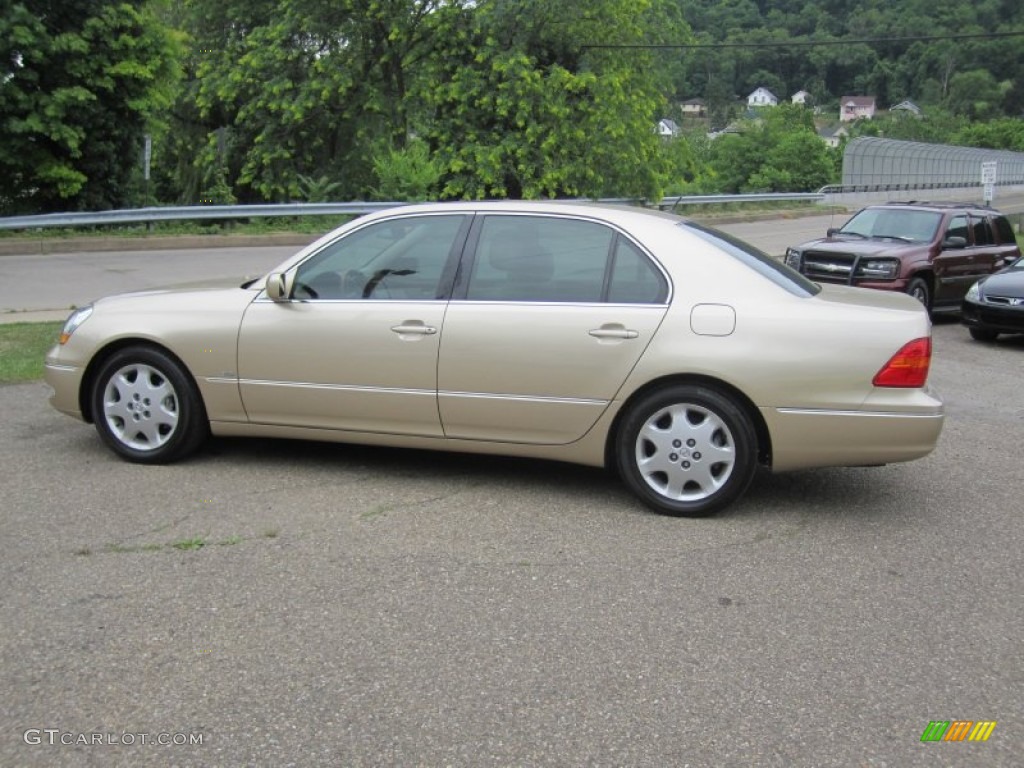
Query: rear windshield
[[759, 261]]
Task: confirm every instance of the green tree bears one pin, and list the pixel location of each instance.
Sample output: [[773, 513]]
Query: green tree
[[81, 84], [406, 174], [975, 94], [308, 87], [520, 109], [780, 152], [1004, 133]]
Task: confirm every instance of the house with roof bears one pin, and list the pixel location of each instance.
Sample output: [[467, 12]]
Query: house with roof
[[801, 97], [833, 135], [694, 108], [762, 97], [856, 108], [906, 108], [667, 129]]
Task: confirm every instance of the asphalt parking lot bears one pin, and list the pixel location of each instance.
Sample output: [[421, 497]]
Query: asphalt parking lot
[[299, 604]]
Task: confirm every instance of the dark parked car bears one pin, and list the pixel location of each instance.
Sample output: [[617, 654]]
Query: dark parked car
[[995, 304], [933, 251]]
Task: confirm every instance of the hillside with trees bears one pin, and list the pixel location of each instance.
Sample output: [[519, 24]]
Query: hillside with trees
[[287, 100], [833, 48]]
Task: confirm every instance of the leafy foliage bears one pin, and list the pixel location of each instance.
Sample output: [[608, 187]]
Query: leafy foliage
[[254, 100], [408, 174], [778, 152], [82, 83]]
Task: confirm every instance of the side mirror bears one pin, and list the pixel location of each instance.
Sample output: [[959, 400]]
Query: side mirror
[[954, 241], [278, 288], [831, 231]]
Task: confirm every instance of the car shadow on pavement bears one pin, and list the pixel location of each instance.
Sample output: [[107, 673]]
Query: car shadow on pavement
[[865, 491], [391, 464]]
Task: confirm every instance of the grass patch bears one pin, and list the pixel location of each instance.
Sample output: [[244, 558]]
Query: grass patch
[[197, 542], [184, 545], [22, 349]]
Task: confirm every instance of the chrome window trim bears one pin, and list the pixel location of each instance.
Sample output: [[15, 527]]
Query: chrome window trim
[[483, 214]]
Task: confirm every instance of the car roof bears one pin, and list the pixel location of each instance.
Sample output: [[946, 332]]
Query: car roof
[[623, 214], [938, 206]]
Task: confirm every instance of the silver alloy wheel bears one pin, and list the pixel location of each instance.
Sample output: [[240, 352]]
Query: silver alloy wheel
[[685, 452], [140, 407]]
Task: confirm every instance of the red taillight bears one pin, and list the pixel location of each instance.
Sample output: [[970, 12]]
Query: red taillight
[[908, 367]]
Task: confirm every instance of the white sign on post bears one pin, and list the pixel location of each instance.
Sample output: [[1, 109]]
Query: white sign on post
[[988, 180]]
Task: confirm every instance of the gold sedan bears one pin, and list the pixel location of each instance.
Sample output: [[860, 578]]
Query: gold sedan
[[607, 336]]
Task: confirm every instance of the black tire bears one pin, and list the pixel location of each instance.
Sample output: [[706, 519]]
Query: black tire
[[146, 408], [687, 450], [920, 290], [983, 334]]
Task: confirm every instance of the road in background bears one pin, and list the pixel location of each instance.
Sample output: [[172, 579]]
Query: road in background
[[46, 286]]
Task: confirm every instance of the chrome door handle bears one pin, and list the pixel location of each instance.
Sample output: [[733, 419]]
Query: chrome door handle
[[423, 330], [613, 333]]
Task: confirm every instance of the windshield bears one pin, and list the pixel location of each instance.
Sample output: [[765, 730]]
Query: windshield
[[898, 224]]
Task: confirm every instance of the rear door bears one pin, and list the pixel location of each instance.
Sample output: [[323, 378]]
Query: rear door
[[1007, 249], [548, 318]]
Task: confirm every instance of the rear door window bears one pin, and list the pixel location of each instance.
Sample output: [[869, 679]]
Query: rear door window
[[1003, 229], [559, 259], [981, 230]]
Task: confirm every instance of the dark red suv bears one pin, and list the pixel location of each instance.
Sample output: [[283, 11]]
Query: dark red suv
[[933, 251]]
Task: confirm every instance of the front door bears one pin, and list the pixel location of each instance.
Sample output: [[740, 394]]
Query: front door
[[356, 346]]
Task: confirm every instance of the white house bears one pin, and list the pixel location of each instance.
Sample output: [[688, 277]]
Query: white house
[[667, 129], [801, 97], [762, 97], [856, 108]]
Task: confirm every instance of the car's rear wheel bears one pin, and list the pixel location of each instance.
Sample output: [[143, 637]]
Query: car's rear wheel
[[146, 408], [687, 450], [920, 290], [983, 334]]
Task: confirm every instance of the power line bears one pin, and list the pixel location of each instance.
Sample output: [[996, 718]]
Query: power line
[[803, 43]]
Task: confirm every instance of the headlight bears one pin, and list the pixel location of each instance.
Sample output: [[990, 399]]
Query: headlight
[[793, 258], [974, 292], [77, 317], [885, 268]]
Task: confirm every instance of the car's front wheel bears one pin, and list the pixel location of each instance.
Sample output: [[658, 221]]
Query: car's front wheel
[[687, 450], [920, 290], [146, 407]]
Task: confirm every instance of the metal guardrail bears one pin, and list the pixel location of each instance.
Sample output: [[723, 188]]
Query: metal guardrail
[[770, 197], [189, 213], [225, 212], [842, 189]]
